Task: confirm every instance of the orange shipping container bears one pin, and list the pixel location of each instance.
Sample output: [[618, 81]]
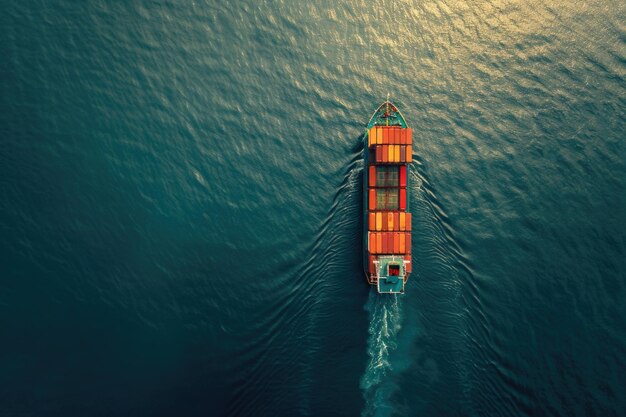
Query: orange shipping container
[[390, 155], [389, 221], [372, 243], [372, 199], [396, 153], [396, 221], [409, 136], [409, 155], [379, 221], [402, 221], [396, 242], [379, 243], [379, 135], [408, 221], [401, 243], [372, 176], [371, 221], [402, 136]]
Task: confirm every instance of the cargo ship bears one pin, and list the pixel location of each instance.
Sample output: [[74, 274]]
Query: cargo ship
[[387, 219]]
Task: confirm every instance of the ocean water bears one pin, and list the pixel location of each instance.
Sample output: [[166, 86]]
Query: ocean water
[[180, 208]]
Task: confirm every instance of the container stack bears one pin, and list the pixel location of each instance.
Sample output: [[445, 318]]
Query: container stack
[[389, 223]]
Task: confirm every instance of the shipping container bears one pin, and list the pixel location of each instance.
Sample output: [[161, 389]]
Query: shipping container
[[371, 242], [402, 205], [372, 199], [385, 140], [379, 221], [402, 175], [372, 176], [384, 242]]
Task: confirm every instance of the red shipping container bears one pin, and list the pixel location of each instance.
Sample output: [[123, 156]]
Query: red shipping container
[[372, 176], [385, 243], [396, 242], [385, 136], [372, 221], [402, 153], [385, 152], [402, 136], [379, 243], [408, 243], [372, 199], [396, 221], [408, 221], [402, 175], [402, 199]]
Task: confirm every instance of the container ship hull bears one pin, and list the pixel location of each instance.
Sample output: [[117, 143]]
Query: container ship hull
[[387, 219]]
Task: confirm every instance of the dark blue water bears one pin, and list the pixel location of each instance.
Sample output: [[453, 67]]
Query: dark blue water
[[180, 208]]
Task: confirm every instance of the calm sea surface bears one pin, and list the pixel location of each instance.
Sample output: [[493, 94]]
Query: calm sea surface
[[180, 208]]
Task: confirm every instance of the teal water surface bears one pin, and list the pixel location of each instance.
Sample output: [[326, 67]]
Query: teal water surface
[[180, 211]]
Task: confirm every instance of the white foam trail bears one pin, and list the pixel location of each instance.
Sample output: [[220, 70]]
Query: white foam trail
[[377, 383]]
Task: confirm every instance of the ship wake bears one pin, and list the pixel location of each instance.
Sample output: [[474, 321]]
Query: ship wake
[[378, 383]]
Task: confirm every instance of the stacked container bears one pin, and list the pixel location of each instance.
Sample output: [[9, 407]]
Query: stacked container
[[389, 223]]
